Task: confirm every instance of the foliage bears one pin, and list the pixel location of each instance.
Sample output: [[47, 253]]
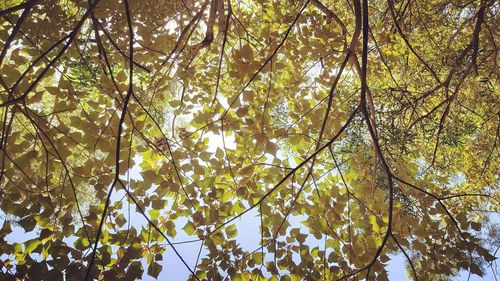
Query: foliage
[[353, 130]]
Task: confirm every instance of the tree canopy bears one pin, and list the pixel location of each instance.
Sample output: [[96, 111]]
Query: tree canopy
[[349, 130]]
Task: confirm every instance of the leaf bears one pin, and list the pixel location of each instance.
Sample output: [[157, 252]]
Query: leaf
[[189, 228], [121, 76], [271, 148], [31, 245], [154, 269], [28, 223], [476, 226], [258, 258], [475, 269], [246, 52], [120, 220], [486, 254], [135, 270], [10, 74], [231, 231], [18, 248], [45, 234], [6, 228]]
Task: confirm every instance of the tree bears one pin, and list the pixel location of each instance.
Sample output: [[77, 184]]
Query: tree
[[354, 130]]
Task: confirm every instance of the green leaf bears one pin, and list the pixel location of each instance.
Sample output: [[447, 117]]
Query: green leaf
[[189, 228], [31, 245], [231, 231]]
